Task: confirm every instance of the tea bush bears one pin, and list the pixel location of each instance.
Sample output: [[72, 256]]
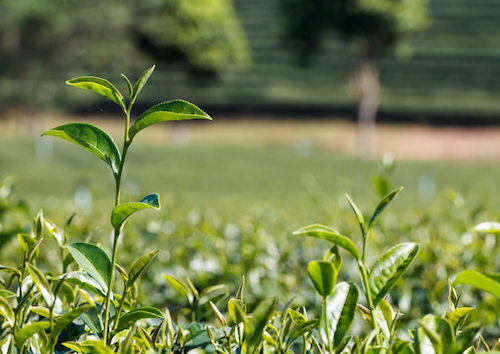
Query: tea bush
[[352, 298]]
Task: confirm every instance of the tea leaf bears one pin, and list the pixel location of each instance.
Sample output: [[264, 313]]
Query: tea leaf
[[91, 138], [359, 215], [297, 317], [241, 289], [378, 315], [36, 229], [100, 86], [94, 261], [236, 310], [402, 347], [121, 213], [389, 268], [25, 241], [181, 287], [381, 206], [85, 281], [7, 311], [52, 229], [258, 321], [29, 330], [333, 255], [122, 272], [337, 313], [478, 280], [302, 329], [69, 317], [284, 314], [194, 291], [33, 251], [323, 276], [96, 347], [211, 289], [42, 284], [459, 315], [129, 85], [218, 314], [67, 292], [127, 346], [73, 346], [167, 111], [92, 320], [40, 310], [7, 294], [387, 311], [268, 338], [468, 336], [140, 266], [137, 314], [146, 338], [342, 346], [142, 82], [427, 333], [366, 347], [13, 271], [329, 234]]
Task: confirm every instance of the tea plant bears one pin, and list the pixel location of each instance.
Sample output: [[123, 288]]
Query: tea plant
[[46, 313], [104, 318], [13, 212]]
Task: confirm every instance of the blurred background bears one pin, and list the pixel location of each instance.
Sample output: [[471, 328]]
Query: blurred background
[[287, 82]]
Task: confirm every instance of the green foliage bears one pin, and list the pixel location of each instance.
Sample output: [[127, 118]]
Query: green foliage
[[337, 314], [167, 111], [91, 138], [62, 309], [207, 31], [201, 37], [45, 311], [94, 261], [377, 23], [329, 234], [122, 212], [389, 268], [323, 276]]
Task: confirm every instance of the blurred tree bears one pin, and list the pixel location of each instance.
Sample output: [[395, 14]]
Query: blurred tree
[[45, 41], [374, 24]]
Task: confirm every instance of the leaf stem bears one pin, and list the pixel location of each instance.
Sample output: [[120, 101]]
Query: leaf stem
[[365, 241], [120, 307], [330, 344], [118, 178], [126, 144], [108, 295]]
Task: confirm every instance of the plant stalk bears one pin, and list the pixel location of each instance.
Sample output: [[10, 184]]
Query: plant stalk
[[108, 295], [366, 284], [118, 178], [120, 307], [330, 344]]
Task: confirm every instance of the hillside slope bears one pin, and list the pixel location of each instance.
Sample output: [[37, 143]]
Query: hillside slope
[[454, 69]]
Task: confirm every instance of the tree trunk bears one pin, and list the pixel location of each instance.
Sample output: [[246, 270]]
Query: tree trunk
[[368, 89]]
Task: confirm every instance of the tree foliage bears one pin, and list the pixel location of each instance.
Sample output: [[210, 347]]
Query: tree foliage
[[378, 23], [44, 41]]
